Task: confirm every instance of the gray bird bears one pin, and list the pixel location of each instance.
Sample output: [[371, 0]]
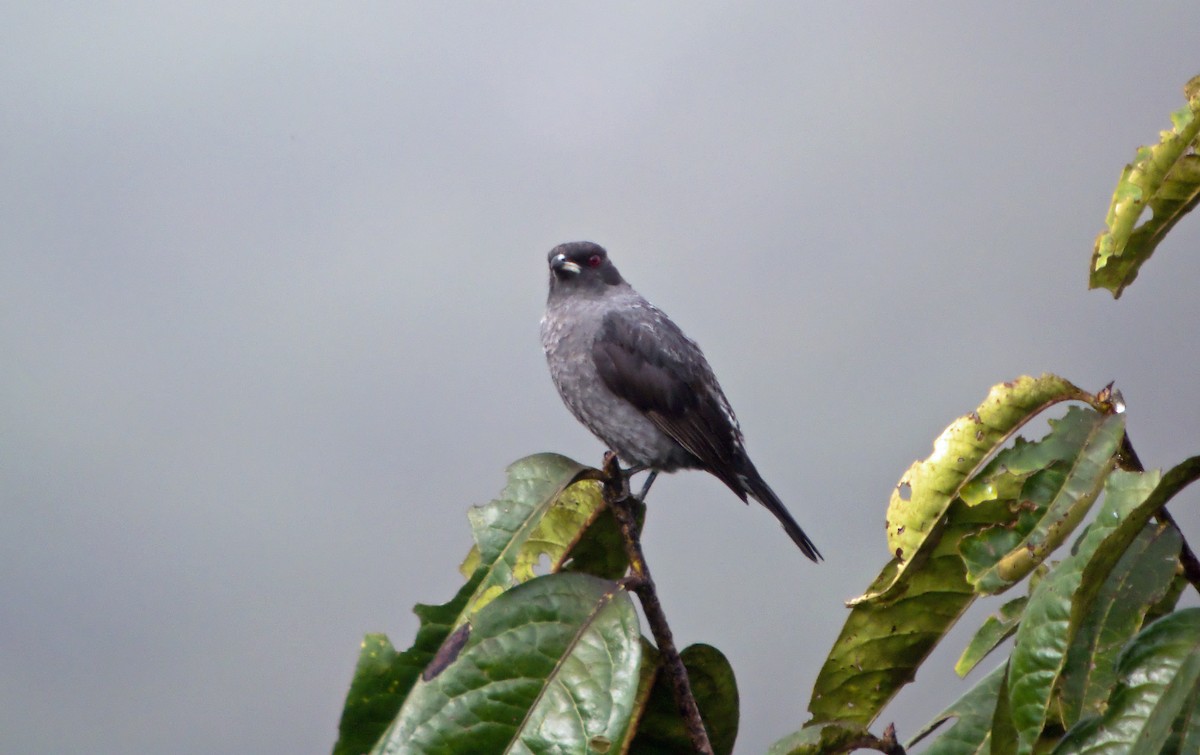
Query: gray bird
[[639, 384]]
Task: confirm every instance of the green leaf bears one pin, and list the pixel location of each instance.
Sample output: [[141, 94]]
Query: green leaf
[[549, 666], [1164, 178], [883, 642], [661, 729], [927, 489], [973, 713], [891, 630], [1154, 594], [1063, 474], [1004, 740], [376, 693], [600, 551], [1158, 675], [545, 508], [1185, 731], [1042, 638], [1169, 600], [543, 511], [383, 677], [647, 675], [995, 630], [1101, 626], [1165, 488]]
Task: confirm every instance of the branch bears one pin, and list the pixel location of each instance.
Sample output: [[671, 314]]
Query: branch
[[616, 495], [886, 744]]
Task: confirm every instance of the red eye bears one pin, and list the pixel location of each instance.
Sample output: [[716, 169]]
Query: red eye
[[594, 261]]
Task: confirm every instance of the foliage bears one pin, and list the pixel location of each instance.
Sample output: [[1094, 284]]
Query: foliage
[[1165, 179], [1100, 660], [541, 649], [1083, 617], [523, 662]]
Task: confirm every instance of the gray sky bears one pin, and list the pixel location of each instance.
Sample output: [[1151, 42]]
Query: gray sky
[[270, 281]]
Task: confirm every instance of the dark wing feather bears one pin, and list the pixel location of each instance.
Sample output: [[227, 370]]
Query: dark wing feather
[[646, 359]]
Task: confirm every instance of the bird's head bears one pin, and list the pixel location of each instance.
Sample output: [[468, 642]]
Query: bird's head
[[581, 266]]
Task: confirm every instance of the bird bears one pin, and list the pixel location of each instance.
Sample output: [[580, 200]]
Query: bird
[[630, 375]]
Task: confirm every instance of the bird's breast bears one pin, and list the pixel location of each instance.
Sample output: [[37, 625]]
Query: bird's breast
[[568, 338]]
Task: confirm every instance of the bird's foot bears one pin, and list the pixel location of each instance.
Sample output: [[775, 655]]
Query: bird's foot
[[617, 477], [612, 468]]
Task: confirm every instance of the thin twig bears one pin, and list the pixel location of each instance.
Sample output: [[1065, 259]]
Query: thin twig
[[616, 494]]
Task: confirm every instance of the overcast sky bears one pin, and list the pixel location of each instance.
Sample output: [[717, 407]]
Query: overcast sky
[[271, 275]]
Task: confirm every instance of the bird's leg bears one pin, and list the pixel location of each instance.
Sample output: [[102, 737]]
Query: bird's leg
[[631, 471], [646, 485], [612, 464], [635, 469]]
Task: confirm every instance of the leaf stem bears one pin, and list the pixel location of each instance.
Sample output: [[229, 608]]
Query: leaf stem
[[616, 494]]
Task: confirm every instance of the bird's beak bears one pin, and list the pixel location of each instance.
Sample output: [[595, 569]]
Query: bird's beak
[[560, 264]]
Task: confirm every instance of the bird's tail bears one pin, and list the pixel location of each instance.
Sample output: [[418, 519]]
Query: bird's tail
[[756, 486]]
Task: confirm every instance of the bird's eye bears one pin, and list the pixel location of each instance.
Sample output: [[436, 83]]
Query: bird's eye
[[594, 261]]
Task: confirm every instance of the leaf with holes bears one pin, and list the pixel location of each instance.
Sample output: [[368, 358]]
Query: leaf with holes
[[544, 510], [1065, 473], [872, 659], [883, 642], [1165, 179], [927, 489], [891, 630]]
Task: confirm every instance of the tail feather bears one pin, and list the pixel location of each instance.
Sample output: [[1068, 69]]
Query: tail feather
[[757, 487]]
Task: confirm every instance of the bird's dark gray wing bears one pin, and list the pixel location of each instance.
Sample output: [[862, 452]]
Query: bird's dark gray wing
[[646, 359]]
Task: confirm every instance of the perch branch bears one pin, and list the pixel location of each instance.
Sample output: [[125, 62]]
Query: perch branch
[[886, 744], [616, 494]]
